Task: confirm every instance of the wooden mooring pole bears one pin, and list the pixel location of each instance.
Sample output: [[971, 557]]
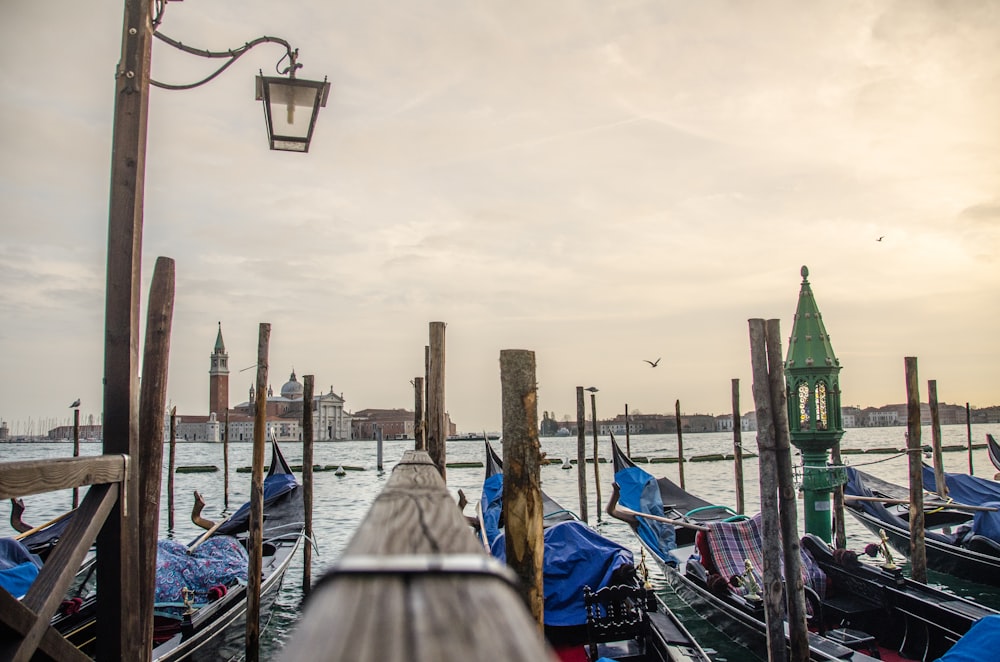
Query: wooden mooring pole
[[307, 479], [839, 527], [968, 435], [628, 440], [581, 451], [932, 401], [152, 403], [171, 467], [680, 442], [918, 549], [225, 465], [378, 448], [255, 536], [597, 459], [76, 449], [738, 447], [419, 418], [437, 433], [522, 491]]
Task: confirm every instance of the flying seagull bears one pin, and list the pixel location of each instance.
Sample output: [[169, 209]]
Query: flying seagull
[[652, 363], [76, 403], [880, 238]]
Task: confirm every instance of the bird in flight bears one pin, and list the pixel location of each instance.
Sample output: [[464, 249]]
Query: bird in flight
[[652, 363], [880, 238], [76, 403]]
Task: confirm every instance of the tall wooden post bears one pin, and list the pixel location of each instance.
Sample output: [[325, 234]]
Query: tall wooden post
[[76, 450], [787, 497], [378, 448], [119, 630], [968, 435], [774, 606], [932, 402], [437, 433], [581, 451], [918, 550], [522, 491], [153, 402], [597, 463], [171, 467], [255, 537], [680, 442], [839, 528], [738, 447], [419, 418], [307, 479], [628, 440], [225, 465]]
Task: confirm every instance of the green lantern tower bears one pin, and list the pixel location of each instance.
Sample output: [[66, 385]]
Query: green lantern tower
[[814, 419]]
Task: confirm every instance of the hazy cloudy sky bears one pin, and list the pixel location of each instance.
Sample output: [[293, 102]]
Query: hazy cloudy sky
[[600, 182]]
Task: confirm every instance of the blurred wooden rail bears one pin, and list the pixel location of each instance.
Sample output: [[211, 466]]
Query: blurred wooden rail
[[414, 584]]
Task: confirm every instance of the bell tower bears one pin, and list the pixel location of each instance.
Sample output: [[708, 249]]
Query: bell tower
[[218, 378]]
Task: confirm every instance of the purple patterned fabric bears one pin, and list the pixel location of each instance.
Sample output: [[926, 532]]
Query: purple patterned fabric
[[729, 543], [219, 560]]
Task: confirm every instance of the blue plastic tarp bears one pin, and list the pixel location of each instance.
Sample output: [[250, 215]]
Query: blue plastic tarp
[[574, 556], [274, 487], [491, 505], [18, 567], [640, 492], [972, 491], [980, 643]]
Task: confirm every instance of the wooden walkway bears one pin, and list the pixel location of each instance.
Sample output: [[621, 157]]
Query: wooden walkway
[[415, 584]]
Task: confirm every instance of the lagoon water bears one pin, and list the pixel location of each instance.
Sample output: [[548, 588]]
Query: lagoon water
[[341, 502]]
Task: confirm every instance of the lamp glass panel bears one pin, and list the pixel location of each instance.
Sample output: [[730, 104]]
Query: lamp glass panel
[[291, 109]]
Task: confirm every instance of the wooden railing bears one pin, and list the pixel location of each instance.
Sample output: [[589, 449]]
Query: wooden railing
[[415, 584], [27, 621]]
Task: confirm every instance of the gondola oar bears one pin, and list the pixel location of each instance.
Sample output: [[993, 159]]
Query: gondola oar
[[927, 504], [676, 522]]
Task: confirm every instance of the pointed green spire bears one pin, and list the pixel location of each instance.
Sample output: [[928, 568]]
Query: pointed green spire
[[809, 346], [220, 347]]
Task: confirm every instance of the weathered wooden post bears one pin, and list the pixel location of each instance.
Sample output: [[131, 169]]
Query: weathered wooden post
[[787, 498], [581, 451], [419, 418], [225, 465], [738, 447], [918, 550], [152, 403], [774, 606], [76, 448], [932, 402], [522, 491], [839, 528], [680, 442], [255, 536], [597, 464], [171, 467], [968, 435], [437, 433], [308, 382], [378, 448], [628, 440]]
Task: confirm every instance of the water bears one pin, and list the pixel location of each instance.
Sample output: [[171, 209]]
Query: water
[[340, 503]]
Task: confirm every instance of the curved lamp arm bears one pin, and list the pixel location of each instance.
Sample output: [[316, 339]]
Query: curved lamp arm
[[232, 55]]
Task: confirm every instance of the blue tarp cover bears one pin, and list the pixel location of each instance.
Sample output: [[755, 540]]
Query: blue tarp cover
[[972, 491], [980, 643], [218, 560], [575, 556], [274, 487], [18, 567], [856, 486], [492, 503], [640, 492]]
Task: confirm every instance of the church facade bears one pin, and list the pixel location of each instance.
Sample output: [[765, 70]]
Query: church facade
[[283, 412]]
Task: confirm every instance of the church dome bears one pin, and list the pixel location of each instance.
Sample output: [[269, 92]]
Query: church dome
[[292, 388]]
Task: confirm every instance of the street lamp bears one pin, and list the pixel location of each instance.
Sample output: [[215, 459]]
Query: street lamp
[[122, 635], [296, 103]]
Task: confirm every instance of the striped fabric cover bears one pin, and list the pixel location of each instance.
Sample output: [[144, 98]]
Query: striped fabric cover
[[731, 542]]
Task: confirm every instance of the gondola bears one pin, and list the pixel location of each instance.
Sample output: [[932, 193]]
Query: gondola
[[993, 448], [596, 604], [858, 611], [957, 542], [207, 624]]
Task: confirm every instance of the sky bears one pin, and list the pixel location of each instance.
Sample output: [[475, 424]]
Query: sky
[[598, 182]]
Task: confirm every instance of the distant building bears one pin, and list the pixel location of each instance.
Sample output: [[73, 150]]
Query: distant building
[[395, 423]]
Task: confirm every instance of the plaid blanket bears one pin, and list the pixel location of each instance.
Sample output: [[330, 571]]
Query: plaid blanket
[[730, 543]]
